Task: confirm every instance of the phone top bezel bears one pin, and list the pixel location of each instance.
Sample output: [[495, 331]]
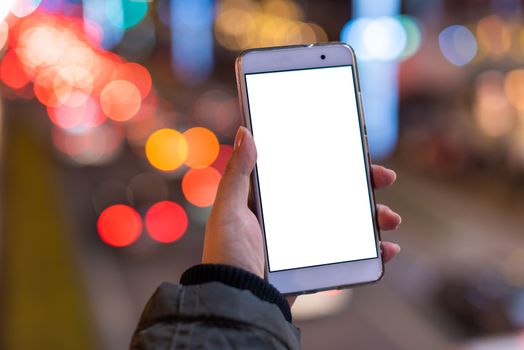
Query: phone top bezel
[[285, 58]]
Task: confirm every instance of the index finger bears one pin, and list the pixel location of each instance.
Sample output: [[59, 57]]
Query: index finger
[[382, 176]]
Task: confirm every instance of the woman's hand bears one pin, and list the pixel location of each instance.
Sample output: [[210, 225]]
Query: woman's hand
[[233, 235]]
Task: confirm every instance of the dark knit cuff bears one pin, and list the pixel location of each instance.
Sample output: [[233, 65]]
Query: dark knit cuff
[[238, 278]]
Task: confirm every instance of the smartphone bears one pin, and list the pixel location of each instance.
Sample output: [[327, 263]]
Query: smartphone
[[312, 186]]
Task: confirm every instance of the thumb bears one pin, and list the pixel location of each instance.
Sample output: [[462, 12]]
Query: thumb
[[233, 190]]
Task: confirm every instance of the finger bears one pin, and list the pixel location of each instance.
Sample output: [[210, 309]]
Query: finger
[[387, 218], [382, 177], [389, 250], [233, 190]]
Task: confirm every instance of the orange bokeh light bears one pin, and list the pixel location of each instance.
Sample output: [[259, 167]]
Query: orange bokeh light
[[203, 147], [166, 221], [514, 85], [166, 149], [200, 186], [120, 100], [119, 225], [12, 72]]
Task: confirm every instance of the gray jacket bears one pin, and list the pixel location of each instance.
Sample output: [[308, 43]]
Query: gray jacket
[[212, 316]]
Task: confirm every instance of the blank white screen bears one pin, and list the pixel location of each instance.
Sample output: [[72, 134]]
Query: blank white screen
[[311, 171]]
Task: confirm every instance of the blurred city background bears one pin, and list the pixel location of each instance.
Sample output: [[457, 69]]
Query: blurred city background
[[117, 118]]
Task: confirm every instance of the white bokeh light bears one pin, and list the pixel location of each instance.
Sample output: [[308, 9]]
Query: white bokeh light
[[382, 39], [385, 38], [5, 8]]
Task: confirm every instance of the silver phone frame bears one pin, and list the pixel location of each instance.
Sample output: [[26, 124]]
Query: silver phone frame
[[324, 277]]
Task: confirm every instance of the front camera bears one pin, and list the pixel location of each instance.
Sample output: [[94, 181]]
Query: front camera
[[323, 57]]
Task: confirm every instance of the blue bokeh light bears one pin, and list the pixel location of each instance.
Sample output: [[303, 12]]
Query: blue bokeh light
[[377, 70], [457, 44], [108, 15], [192, 39]]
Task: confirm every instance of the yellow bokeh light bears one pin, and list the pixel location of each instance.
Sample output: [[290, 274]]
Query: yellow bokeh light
[[244, 24], [166, 149], [493, 35], [283, 8]]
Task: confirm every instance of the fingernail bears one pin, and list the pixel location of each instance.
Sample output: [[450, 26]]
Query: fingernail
[[238, 138], [392, 173], [399, 218], [397, 248]]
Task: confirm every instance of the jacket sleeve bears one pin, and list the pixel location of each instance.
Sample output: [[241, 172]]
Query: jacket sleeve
[[212, 315]]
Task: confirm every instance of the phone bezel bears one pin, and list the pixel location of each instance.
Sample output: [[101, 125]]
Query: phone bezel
[[324, 277]]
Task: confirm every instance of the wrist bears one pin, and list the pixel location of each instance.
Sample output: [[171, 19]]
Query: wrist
[[237, 278]]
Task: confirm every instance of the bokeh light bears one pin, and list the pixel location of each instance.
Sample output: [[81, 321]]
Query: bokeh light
[[5, 8], [166, 222], [23, 8], [217, 110], [12, 72], [492, 111], [200, 186], [166, 149], [458, 45], [224, 155], [94, 146], [136, 74], [4, 34], [514, 85], [120, 100], [384, 38], [244, 24], [77, 118], [107, 16], [119, 225], [413, 36], [493, 35], [192, 39], [353, 34], [203, 147], [72, 85], [80, 84], [134, 12]]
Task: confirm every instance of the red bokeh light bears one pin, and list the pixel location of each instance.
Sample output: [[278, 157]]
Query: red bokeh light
[[224, 155], [119, 225], [12, 72], [135, 73], [166, 221]]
